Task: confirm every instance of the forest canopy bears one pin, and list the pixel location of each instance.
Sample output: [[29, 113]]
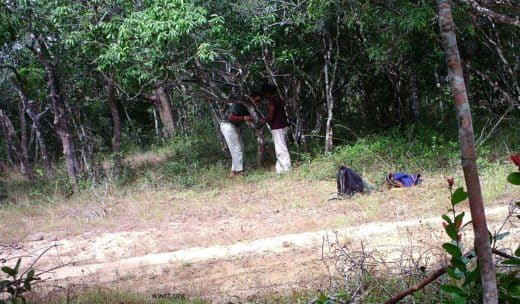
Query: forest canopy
[[85, 79]]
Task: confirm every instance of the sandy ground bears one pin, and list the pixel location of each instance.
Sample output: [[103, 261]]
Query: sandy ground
[[232, 258]]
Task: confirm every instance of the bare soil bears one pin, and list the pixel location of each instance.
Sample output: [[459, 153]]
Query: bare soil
[[245, 242]]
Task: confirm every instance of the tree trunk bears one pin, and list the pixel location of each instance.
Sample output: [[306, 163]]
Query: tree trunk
[[7, 146], [116, 124], [329, 98], [36, 125], [8, 129], [468, 154], [414, 98], [43, 147], [24, 139], [60, 115], [259, 133], [164, 108]]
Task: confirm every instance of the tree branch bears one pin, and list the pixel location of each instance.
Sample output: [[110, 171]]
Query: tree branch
[[419, 286]]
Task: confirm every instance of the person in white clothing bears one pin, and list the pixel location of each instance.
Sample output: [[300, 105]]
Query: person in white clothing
[[277, 120], [230, 128]]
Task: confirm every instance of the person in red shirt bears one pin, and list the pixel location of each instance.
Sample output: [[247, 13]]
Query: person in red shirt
[[277, 121]]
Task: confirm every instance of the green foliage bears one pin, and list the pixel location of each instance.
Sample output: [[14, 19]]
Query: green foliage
[[17, 283], [465, 275]]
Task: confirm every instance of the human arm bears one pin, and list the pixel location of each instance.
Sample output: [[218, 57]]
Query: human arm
[[270, 114], [238, 118], [238, 113]]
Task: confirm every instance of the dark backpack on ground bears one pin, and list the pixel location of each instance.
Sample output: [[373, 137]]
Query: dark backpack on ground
[[349, 182]]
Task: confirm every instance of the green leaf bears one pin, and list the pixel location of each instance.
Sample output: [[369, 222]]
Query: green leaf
[[9, 271], [458, 196], [17, 267], [500, 236], [459, 264], [511, 262], [453, 250], [459, 217], [446, 218], [452, 289], [474, 275], [458, 298], [30, 274], [455, 273], [452, 231], [514, 178], [517, 251]]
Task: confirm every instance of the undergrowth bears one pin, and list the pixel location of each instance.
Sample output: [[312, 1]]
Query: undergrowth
[[201, 162]]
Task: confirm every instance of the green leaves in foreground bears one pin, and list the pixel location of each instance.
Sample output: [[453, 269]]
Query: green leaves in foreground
[[458, 196], [514, 178]]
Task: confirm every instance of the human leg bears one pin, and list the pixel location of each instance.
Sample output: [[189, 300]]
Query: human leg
[[235, 145], [283, 158]]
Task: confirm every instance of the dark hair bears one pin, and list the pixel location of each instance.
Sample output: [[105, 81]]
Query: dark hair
[[268, 88], [256, 93]]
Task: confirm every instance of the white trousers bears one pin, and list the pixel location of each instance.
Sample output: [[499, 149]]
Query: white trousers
[[283, 159], [234, 142]]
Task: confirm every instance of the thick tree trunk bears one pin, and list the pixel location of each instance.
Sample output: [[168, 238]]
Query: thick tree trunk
[[116, 124], [468, 154], [60, 115], [164, 108], [8, 129]]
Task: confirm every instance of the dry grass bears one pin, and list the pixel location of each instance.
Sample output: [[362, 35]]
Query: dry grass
[[305, 201], [291, 202]]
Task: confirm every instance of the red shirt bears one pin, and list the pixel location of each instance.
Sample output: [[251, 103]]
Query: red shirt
[[276, 117]]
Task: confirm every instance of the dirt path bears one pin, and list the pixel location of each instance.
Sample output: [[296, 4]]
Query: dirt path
[[224, 265]]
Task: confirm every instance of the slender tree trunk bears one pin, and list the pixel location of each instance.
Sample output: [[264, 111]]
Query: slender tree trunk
[[329, 98], [24, 138], [259, 133], [11, 138], [43, 147], [414, 98], [468, 154], [116, 124], [60, 114], [7, 146], [164, 108], [36, 125]]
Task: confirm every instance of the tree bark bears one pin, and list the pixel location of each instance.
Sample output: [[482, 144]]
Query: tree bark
[[58, 107], [414, 98], [36, 125], [328, 97], [7, 146], [164, 108], [8, 129], [468, 154], [116, 124], [24, 139], [259, 133]]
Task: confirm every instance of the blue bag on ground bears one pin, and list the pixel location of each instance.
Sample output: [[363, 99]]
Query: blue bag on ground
[[349, 182], [403, 180]]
